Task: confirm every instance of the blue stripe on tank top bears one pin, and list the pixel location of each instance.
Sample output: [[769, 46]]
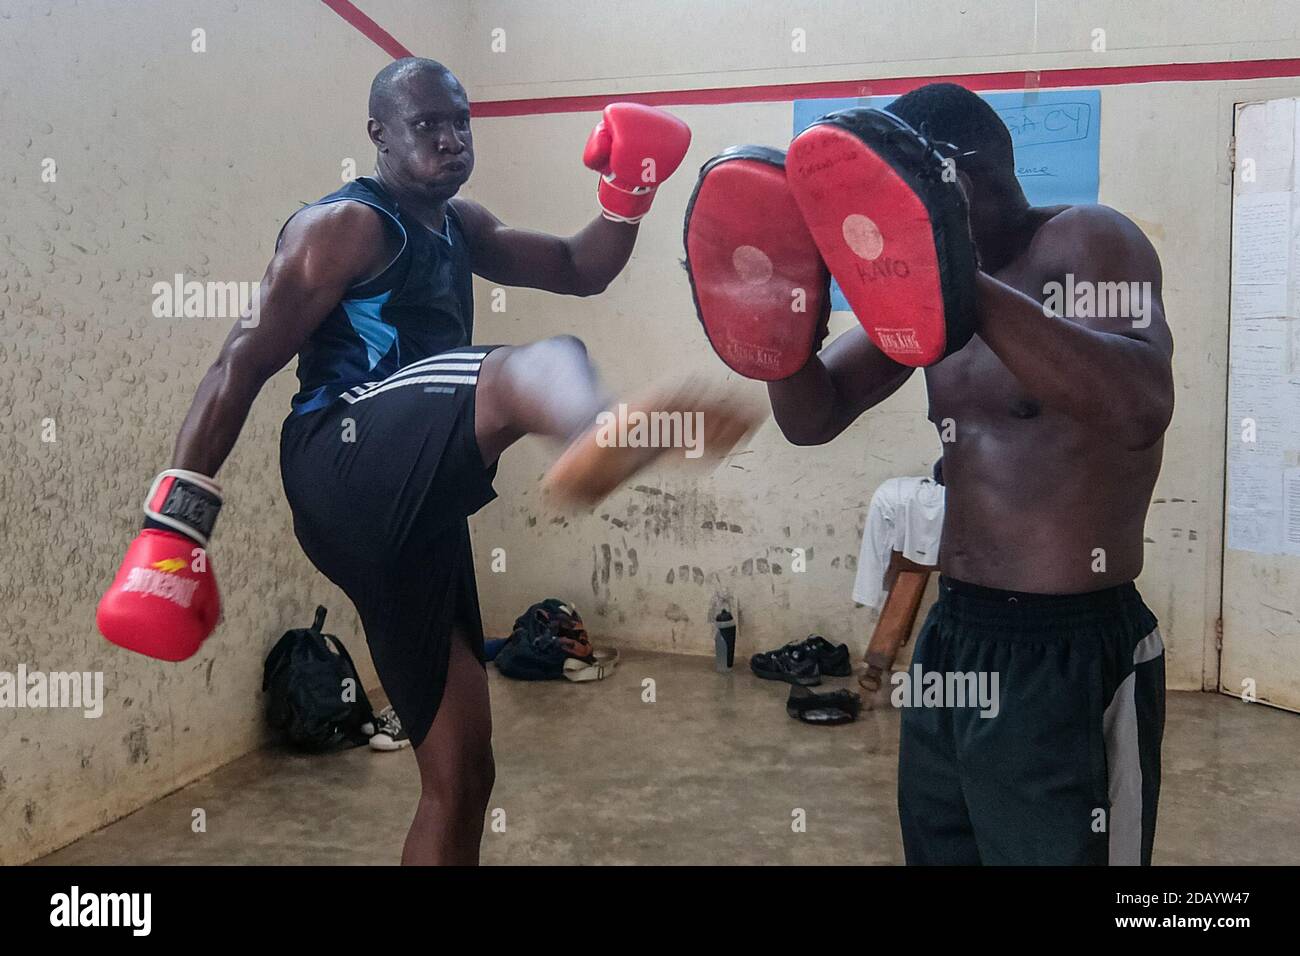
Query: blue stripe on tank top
[[377, 335]]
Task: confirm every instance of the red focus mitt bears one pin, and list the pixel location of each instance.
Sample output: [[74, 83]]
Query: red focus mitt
[[761, 289], [891, 222]]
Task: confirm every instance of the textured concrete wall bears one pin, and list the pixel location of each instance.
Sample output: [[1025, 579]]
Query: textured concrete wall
[[645, 566], [167, 161], [173, 161], [596, 46]]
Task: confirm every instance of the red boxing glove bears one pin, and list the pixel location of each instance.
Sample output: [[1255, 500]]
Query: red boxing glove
[[164, 601], [634, 148]]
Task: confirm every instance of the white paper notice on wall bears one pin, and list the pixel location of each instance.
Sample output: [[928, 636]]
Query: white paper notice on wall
[[1263, 427], [1265, 135], [1263, 431], [1291, 511], [1261, 255], [1293, 267], [1254, 499], [1262, 417]]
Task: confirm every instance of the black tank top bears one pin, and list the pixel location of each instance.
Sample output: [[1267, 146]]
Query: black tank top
[[420, 305]]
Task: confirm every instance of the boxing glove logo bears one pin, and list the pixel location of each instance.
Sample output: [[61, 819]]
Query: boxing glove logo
[[161, 580]]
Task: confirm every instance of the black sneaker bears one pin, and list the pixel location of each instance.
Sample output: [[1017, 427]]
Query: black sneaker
[[388, 734], [837, 707], [794, 664], [832, 659]]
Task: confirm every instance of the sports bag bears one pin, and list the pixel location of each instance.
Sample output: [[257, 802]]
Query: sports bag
[[315, 700], [545, 636]]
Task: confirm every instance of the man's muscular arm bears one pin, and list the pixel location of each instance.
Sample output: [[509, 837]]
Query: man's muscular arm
[[837, 385], [323, 251], [581, 264], [1111, 372]]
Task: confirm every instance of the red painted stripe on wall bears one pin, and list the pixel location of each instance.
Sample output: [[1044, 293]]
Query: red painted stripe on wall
[[368, 28], [890, 86], [896, 86]]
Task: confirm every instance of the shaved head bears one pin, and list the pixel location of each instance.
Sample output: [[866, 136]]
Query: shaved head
[[401, 78], [420, 125]]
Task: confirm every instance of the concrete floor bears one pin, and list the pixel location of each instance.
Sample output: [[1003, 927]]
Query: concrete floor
[[709, 773]]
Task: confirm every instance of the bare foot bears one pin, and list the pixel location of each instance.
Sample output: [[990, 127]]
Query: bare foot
[[685, 421]]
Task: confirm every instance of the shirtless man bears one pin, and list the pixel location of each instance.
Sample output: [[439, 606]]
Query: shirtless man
[[395, 431], [1052, 427]]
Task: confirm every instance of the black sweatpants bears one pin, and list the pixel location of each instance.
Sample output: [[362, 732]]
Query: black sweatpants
[[1059, 762]]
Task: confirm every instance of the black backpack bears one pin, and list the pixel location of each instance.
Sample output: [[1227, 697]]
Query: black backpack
[[305, 678]]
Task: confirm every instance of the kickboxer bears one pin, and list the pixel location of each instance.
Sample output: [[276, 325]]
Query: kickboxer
[[1052, 411], [395, 431]]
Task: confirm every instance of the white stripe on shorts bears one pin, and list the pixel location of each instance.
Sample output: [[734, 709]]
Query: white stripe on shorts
[[1123, 760], [475, 357], [434, 370], [412, 380]]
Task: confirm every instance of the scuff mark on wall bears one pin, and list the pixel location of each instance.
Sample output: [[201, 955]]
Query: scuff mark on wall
[[137, 745]]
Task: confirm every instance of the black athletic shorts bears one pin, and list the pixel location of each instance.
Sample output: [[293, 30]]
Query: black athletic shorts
[[381, 483], [1065, 767]]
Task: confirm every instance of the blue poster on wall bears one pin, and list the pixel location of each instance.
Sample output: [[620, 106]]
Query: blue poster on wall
[[1055, 135]]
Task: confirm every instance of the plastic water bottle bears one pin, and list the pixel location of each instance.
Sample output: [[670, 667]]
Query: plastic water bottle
[[724, 640]]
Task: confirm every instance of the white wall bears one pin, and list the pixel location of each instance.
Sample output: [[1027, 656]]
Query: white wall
[[1164, 149], [171, 161]]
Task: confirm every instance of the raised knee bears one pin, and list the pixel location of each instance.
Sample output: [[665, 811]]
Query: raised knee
[[543, 357], [567, 343]]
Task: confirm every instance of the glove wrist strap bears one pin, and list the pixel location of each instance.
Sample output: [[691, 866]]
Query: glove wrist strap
[[184, 501], [615, 217]]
